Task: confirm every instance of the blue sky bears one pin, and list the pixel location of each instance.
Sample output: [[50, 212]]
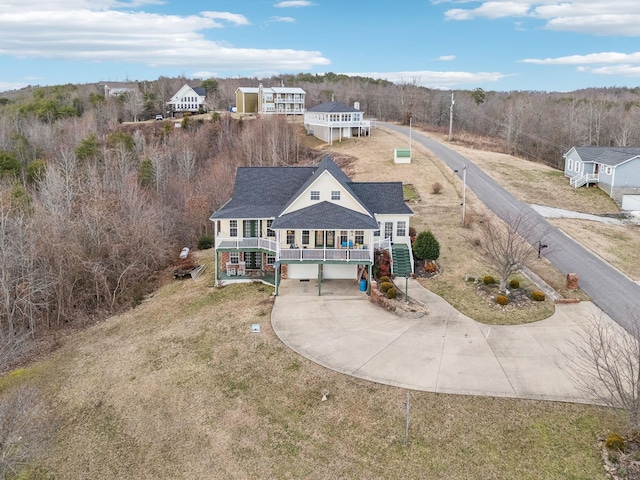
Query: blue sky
[[504, 45]]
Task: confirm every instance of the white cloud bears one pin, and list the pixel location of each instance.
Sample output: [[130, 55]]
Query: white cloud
[[596, 17], [589, 59], [284, 19], [430, 79], [94, 31], [294, 3], [447, 58], [620, 70]]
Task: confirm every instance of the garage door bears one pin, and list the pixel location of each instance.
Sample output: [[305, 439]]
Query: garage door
[[347, 272], [631, 202], [303, 271]]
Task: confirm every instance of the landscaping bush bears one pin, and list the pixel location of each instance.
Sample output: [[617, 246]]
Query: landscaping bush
[[436, 188], [502, 300], [205, 242], [616, 442], [426, 247], [538, 296], [488, 280], [392, 292], [384, 287], [514, 283], [384, 279]]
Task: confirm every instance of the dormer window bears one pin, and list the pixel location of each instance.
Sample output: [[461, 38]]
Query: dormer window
[[315, 194], [335, 195]]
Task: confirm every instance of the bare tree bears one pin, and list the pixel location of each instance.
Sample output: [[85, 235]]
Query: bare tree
[[503, 246], [606, 365]]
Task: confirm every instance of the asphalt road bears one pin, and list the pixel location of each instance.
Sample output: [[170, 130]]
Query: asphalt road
[[610, 290]]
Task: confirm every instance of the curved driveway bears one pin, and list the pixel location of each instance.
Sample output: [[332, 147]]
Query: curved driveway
[[609, 289], [444, 352]]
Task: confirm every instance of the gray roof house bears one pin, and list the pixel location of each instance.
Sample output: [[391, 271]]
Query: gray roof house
[[616, 170], [336, 120], [308, 223]]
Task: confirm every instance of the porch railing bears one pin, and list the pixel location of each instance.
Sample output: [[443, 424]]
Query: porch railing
[[333, 254], [252, 242], [580, 180]]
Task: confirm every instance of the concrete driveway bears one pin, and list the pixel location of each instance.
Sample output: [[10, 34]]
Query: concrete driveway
[[444, 352]]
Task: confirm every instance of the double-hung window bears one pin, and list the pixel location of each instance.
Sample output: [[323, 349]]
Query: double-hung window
[[270, 233], [335, 195], [233, 228], [315, 194], [401, 228]]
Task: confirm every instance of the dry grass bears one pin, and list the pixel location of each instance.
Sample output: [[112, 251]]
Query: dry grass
[[179, 388], [617, 244], [536, 183], [442, 214]]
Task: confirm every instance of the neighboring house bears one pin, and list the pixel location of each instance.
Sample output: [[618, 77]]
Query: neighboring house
[[115, 89], [335, 120], [309, 223], [278, 100], [616, 170], [187, 100]]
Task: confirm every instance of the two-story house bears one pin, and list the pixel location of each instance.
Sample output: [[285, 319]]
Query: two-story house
[[336, 120], [187, 99], [273, 100], [308, 223]]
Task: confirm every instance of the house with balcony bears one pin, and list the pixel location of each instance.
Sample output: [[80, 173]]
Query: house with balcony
[[187, 100], [616, 170], [270, 100], [335, 120], [309, 223]]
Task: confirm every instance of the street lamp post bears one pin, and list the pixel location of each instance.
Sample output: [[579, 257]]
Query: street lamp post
[[464, 189], [406, 287]]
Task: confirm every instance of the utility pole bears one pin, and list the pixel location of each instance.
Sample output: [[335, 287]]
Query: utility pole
[[451, 116], [464, 190]]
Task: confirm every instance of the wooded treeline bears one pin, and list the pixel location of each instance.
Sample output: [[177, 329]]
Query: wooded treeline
[[91, 207]]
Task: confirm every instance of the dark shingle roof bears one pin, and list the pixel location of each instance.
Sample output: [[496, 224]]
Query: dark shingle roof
[[379, 197], [325, 216], [265, 192], [200, 91], [332, 107], [611, 156]]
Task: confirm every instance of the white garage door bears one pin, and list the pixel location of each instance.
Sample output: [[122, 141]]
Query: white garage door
[[631, 202], [345, 272], [303, 271]]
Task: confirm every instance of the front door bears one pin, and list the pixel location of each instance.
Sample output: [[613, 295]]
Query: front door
[[250, 228], [388, 230], [331, 238], [325, 238]]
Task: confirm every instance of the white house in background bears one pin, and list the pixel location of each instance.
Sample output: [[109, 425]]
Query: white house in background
[[265, 100], [335, 120], [187, 99], [114, 89]]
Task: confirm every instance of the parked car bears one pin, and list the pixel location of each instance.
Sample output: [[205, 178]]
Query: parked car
[[159, 117]]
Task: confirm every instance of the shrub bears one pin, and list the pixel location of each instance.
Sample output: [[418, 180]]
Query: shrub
[[384, 279], [426, 247], [385, 286], [616, 442], [488, 280], [502, 300], [392, 292], [514, 283], [431, 267], [436, 188], [205, 242], [538, 296]]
